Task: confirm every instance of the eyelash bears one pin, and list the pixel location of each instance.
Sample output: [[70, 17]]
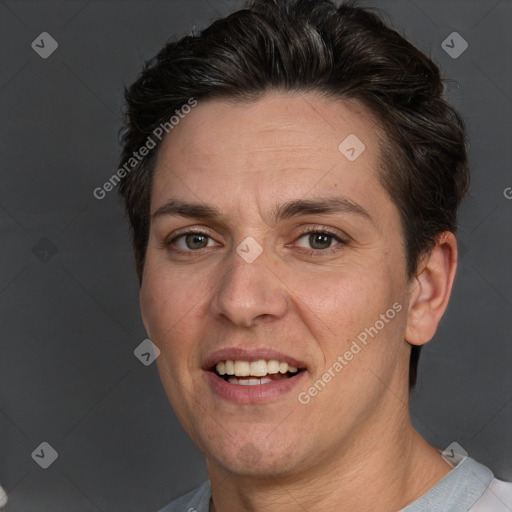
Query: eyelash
[[306, 231], [322, 252]]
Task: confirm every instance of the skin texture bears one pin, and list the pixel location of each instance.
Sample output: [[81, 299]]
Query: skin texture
[[352, 447]]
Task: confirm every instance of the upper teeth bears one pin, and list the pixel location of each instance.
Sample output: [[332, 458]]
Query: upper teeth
[[258, 368]]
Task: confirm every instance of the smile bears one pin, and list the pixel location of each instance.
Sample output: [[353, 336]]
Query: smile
[[250, 376], [254, 373]]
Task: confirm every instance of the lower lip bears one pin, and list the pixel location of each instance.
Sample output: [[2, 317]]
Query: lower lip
[[253, 394]]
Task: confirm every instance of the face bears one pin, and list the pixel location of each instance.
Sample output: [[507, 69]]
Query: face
[[269, 245]]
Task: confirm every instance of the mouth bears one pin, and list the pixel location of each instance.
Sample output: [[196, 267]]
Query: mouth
[[251, 376], [254, 373]]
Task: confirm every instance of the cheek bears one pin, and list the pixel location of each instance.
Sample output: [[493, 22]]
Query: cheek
[[345, 309], [170, 303], [170, 310], [343, 301]]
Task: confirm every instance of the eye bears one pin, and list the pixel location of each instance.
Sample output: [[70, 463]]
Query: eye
[[319, 241], [192, 241]]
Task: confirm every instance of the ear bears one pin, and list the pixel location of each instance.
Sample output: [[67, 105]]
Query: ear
[[430, 290]]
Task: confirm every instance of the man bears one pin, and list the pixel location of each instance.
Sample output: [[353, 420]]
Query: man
[[292, 178]]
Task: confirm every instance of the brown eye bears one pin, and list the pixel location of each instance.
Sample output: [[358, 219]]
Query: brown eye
[[320, 240], [196, 241]]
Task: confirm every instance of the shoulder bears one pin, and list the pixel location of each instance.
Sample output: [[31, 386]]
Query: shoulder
[[496, 498], [197, 500]]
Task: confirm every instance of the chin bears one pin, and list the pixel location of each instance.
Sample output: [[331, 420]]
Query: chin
[[253, 459]]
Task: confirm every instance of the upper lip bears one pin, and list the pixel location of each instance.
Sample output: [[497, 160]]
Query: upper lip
[[250, 354]]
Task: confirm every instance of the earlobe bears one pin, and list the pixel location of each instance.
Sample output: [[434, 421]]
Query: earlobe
[[431, 289]]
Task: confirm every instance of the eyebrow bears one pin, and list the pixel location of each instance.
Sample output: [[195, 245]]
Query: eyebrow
[[294, 208]]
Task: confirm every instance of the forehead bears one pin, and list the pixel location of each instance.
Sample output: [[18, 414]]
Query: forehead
[[280, 146]]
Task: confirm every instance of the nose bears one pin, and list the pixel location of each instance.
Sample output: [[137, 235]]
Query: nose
[[249, 292]]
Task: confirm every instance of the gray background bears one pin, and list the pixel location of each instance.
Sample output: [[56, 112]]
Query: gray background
[[68, 293]]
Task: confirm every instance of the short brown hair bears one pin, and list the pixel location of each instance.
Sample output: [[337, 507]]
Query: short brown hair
[[344, 52]]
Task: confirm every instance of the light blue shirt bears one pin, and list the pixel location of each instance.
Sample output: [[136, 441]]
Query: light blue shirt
[[469, 487]]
